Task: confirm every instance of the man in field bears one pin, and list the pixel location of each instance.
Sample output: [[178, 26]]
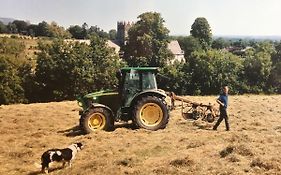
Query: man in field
[[223, 101]]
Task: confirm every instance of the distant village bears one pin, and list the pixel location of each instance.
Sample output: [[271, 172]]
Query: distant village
[[122, 35]]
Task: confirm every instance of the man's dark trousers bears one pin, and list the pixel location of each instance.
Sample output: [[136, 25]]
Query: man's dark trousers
[[223, 115]]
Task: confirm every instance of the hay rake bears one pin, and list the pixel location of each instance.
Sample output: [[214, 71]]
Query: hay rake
[[194, 110]]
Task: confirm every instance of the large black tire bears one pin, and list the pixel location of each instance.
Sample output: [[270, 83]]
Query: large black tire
[[150, 113], [97, 119]]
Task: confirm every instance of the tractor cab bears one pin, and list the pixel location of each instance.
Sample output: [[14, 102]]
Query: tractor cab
[[134, 81]]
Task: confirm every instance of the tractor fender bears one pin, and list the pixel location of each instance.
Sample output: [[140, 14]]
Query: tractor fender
[[157, 93], [96, 105]]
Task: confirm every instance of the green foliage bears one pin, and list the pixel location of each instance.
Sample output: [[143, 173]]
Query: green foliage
[[112, 34], [220, 43], [257, 68], [42, 29], [65, 71], [265, 46], [3, 28], [95, 30], [11, 90], [189, 44], [11, 81], [21, 26], [212, 69], [147, 41], [275, 78], [201, 29], [77, 32], [274, 81], [12, 28], [105, 61], [83, 32], [57, 31], [176, 78]]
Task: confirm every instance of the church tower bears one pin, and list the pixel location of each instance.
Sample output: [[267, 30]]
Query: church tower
[[122, 31]]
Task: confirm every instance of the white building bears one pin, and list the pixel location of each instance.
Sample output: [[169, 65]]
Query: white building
[[175, 48]]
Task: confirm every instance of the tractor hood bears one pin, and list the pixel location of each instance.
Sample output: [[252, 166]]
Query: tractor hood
[[99, 93], [88, 99]]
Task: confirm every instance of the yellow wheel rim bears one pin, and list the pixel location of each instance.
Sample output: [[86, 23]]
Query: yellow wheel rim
[[96, 121], [151, 114]]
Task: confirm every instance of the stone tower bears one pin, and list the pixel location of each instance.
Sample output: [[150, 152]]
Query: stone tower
[[122, 31]]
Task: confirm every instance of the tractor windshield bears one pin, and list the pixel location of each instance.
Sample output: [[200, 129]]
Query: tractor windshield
[[148, 81]]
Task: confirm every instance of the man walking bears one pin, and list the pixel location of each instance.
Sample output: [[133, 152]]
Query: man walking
[[223, 101]]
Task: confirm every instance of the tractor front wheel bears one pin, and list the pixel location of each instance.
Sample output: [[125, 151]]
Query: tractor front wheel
[[96, 119], [151, 113]]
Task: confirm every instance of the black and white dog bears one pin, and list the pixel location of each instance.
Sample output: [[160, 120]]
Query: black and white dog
[[65, 155]]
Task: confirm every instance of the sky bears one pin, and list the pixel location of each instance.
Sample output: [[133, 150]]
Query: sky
[[226, 17]]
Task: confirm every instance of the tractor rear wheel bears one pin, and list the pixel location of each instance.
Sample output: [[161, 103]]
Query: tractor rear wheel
[[151, 113], [97, 119]]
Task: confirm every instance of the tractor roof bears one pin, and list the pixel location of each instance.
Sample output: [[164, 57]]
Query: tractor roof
[[143, 69]]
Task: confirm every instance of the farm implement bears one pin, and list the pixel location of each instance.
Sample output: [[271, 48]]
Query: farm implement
[[194, 110]]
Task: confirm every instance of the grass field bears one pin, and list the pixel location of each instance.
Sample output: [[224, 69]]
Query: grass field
[[253, 146]]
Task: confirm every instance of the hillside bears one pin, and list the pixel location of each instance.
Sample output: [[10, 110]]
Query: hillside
[[253, 146], [6, 20]]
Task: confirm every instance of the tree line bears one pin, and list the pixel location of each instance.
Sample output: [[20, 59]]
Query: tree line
[[44, 29], [63, 71]]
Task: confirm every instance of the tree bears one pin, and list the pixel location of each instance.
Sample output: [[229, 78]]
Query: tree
[[275, 74], [57, 31], [175, 78], [220, 43], [21, 26], [211, 69], [240, 43], [11, 90], [105, 61], [32, 30], [265, 46], [12, 28], [95, 30], [63, 70], [43, 29], [201, 29], [77, 32], [11, 61], [3, 28], [112, 34], [257, 68], [147, 41], [66, 70], [189, 44]]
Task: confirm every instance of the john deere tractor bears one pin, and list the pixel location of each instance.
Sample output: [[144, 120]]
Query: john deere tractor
[[136, 99]]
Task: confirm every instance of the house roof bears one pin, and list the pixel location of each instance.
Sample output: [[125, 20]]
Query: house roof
[[113, 45], [88, 42], [175, 48]]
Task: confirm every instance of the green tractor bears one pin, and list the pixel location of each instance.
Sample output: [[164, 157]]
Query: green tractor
[[137, 99]]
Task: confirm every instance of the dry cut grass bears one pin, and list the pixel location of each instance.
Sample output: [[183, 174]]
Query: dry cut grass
[[253, 146]]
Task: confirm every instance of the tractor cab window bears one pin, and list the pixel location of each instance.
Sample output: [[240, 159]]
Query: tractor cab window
[[148, 81], [131, 85]]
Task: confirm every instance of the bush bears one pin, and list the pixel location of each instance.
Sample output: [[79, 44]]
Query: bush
[[11, 90], [212, 69], [64, 71]]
